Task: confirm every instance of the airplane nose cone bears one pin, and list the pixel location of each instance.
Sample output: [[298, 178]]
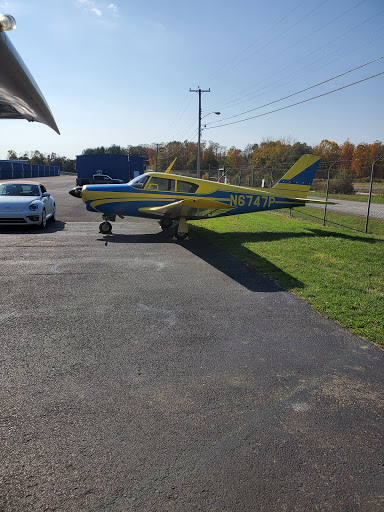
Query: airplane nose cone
[[75, 192]]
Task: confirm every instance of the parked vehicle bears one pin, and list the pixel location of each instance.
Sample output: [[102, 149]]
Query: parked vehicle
[[98, 179], [25, 203]]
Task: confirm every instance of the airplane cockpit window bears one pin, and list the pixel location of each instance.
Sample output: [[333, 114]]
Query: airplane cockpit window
[[163, 184], [186, 186], [139, 181]]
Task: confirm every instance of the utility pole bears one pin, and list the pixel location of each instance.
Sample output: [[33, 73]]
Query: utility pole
[[157, 151], [199, 133]]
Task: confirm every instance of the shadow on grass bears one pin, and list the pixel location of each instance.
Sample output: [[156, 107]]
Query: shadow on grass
[[237, 238], [354, 238], [234, 242]]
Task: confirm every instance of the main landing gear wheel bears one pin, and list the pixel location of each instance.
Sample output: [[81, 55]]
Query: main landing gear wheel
[[166, 224], [181, 232], [105, 228], [181, 236]]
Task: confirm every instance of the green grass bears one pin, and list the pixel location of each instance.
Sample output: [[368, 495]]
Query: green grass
[[354, 222], [337, 271]]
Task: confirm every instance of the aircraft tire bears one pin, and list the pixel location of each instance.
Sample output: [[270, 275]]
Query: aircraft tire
[[181, 236], [105, 228], [166, 224]]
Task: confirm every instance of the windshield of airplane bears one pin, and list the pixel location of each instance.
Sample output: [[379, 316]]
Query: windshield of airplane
[[139, 181]]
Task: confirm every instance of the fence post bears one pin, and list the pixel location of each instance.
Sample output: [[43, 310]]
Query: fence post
[[326, 195], [370, 194]]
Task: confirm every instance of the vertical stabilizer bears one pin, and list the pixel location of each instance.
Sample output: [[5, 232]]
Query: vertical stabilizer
[[298, 180]]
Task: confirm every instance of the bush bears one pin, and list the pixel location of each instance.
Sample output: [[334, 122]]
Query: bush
[[341, 184]]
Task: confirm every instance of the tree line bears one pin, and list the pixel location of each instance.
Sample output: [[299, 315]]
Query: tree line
[[268, 160]]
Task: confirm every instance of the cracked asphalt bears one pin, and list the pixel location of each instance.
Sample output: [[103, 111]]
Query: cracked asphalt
[[143, 374]]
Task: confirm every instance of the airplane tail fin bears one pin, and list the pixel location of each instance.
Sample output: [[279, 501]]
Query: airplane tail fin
[[298, 180]]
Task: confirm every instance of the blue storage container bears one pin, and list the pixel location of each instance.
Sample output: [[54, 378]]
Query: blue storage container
[[136, 165], [116, 166], [16, 169]]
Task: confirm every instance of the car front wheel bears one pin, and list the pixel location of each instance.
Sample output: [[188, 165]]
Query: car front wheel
[[43, 222], [53, 216]]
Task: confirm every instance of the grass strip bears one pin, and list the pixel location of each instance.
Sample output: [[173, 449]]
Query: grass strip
[[338, 272]]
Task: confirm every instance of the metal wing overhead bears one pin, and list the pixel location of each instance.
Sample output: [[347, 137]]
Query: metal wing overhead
[[20, 96]]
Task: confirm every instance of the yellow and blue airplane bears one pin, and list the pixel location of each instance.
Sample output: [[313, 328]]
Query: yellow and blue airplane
[[175, 199]]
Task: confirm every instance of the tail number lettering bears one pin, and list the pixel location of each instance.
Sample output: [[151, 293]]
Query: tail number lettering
[[242, 200]]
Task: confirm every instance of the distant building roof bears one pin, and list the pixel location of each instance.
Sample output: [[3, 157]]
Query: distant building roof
[[15, 161]]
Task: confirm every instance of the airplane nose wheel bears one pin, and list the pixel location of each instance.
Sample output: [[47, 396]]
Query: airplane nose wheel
[[105, 228]]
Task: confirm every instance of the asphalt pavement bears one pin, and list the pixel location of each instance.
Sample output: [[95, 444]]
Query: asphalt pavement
[[143, 374], [347, 207]]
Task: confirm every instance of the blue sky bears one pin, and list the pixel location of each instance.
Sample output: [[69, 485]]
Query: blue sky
[[119, 72]]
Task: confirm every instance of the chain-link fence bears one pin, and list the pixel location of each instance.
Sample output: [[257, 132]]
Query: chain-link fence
[[359, 203]]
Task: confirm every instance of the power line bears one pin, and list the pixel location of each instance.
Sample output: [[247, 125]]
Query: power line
[[179, 115], [294, 104], [299, 92], [256, 40], [232, 102], [281, 34]]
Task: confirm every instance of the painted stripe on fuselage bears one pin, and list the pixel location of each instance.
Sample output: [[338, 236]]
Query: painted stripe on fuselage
[[128, 203]]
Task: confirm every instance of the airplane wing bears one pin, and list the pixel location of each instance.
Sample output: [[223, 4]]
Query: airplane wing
[[20, 96], [188, 208]]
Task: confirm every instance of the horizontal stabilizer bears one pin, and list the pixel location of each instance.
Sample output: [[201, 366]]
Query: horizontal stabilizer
[[316, 201]]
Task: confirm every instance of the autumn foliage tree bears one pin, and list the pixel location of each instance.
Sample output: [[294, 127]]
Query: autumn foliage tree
[[268, 159]]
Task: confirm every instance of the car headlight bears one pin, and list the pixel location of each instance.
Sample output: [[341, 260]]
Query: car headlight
[[34, 207]]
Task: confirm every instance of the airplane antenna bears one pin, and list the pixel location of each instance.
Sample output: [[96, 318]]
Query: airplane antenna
[[170, 167]]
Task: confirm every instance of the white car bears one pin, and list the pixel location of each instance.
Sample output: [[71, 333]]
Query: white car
[[25, 203]]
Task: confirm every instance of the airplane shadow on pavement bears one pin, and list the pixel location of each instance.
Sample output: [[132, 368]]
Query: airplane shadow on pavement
[[225, 263], [214, 256]]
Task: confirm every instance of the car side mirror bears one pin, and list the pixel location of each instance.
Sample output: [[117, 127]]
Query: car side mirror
[[46, 194]]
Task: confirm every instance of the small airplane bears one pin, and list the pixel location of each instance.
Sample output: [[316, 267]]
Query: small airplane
[[173, 198]]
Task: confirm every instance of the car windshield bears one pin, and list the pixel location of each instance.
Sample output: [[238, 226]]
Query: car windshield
[[19, 189], [139, 181]]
